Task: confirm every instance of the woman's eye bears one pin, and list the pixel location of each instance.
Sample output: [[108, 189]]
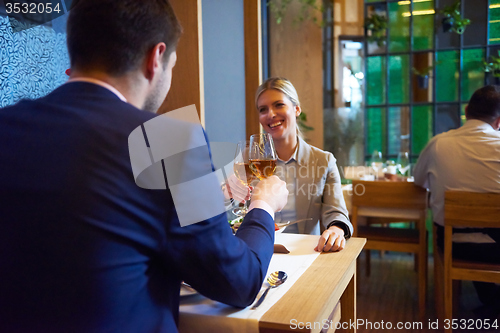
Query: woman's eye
[[280, 105]]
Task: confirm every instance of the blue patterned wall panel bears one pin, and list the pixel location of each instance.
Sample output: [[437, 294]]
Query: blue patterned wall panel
[[32, 61]]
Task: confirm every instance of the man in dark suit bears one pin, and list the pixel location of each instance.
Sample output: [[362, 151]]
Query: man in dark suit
[[82, 247]]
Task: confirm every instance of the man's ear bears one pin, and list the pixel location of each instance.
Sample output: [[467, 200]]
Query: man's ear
[[154, 61], [496, 124]]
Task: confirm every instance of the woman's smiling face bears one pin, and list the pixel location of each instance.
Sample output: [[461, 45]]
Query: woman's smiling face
[[277, 114]]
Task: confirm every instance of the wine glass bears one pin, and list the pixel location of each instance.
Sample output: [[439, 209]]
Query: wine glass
[[403, 162], [242, 171], [377, 162], [262, 155]]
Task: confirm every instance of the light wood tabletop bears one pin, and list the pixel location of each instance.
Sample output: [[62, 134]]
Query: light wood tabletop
[[308, 306]]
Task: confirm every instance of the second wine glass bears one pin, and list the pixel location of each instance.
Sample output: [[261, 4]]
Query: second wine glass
[[403, 162], [377, 162], [262, 155], [242, 171]]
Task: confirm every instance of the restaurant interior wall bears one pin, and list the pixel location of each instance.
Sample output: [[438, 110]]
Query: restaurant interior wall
[[403, 115], [224, 70]]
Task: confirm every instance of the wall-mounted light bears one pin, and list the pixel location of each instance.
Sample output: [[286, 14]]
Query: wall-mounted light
[[495, 6], [419, 12], [401, 3]]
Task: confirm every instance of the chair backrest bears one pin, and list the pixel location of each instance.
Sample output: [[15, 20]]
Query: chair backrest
[[472, 209], [387, 194]]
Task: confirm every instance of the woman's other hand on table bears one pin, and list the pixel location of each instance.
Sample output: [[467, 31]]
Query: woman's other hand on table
[[331, 240]]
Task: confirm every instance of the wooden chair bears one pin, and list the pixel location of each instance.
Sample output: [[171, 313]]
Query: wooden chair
[[467, 209], [403, 201]]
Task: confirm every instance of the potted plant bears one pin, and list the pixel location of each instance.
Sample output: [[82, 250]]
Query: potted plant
[[493, 67], [452, 20], [422, 76], [376, 26]]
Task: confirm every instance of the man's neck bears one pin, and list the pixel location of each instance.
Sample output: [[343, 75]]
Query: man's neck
[[125, 85]]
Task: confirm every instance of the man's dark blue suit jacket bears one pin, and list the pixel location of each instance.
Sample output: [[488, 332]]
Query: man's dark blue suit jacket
[[82, 247]]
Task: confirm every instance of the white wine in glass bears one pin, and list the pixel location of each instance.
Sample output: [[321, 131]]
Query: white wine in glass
[[377, 162], [262, 155]]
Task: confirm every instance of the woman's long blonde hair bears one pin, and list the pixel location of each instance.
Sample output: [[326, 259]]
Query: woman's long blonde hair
[[286, 87]]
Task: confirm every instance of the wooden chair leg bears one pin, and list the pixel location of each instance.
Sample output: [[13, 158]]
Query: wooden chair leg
[[439, 285], [422, 282], [438, 278], [448, 299]]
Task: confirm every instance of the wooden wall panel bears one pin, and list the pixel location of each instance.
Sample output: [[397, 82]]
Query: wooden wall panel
[[296, 53], [253, 62], [187, 82]]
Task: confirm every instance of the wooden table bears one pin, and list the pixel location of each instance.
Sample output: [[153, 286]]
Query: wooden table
[[315, 296]]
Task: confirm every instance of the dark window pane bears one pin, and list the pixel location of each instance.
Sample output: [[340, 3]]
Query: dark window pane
[[376, 130], [376, 80], [399, 130], [472, 72], [423, 25], [399, 27], [447, 76], [447, 117], [476, 11], [445, 39], [421, 127], [494, 22], [422, 86], [399, 79]]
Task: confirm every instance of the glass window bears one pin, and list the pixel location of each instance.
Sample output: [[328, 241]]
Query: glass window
[[377, 40], [399, 79], [494, 22], [447, 76], [447, 117], [399, 130], [472, 72], [423, 75], [421, 127], [399, 26], [462, 114], [376, 80], [375, 130], [423, 25]]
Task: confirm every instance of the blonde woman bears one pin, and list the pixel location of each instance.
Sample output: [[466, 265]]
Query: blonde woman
[[311, 174]]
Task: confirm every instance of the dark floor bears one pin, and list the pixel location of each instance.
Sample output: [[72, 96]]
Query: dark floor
[[390, 295]]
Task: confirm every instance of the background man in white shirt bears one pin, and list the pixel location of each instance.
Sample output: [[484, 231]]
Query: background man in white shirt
[[467, 159]]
